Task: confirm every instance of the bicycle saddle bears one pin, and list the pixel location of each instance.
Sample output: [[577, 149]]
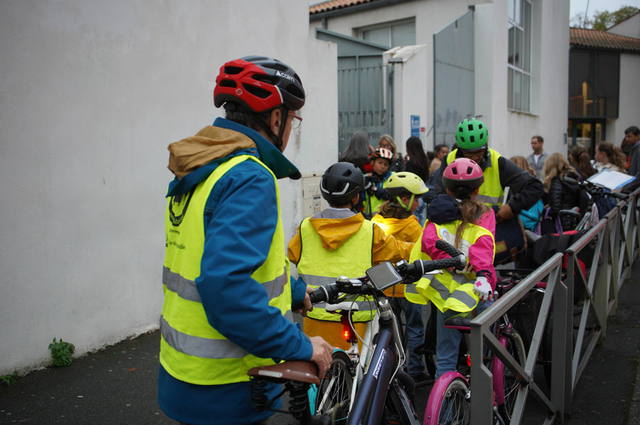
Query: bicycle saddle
[[344, 305], [294, 370], [461, 323]]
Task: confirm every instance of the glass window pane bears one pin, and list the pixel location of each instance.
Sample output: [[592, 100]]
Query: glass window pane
[[510, 90], [512, 41], [518, 12], [526, 51], [607, 84], [512, 10], [518, 48], [403, 34], [526, 82], [517, 90]]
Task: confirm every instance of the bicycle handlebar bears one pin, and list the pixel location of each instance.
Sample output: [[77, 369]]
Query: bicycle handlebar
[[595, 189], [409, 273]]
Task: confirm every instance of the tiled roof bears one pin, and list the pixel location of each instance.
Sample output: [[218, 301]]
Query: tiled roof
[[331, 5], [603, 40]]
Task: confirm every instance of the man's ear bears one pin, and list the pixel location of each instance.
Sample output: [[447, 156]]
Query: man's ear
[[354, 201], [274, 120]]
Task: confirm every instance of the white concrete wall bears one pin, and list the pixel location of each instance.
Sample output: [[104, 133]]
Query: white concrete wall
[[409, 85], [91, 94], [630, 27], [628, 107]]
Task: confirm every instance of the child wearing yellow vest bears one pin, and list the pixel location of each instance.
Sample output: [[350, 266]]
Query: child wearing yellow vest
[[375, 194], [396, 219], [339, 241], [469, 225]]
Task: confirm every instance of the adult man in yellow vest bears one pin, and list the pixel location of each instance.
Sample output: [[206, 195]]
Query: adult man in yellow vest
[[472, 139], [226, 280], [339, 241]]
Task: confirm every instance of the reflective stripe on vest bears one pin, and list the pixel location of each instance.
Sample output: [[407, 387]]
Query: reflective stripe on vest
[[491, 192], [448, 291], [320, 266], [191, 350]]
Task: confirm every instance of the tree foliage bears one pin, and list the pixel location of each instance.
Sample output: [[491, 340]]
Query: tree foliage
[[603, 20]]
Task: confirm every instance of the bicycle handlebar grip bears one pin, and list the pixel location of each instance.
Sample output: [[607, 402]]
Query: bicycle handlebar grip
[[457, 262], [324, 293], [619, 195], [445, 246]]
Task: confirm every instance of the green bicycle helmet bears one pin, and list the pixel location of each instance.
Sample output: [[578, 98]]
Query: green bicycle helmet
[[405, 182], [471, 134]]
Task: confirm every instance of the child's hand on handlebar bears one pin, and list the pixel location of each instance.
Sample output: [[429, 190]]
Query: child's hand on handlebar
[[322, 352], [482, 288]]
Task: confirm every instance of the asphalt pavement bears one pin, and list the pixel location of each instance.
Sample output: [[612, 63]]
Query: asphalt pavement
[[117, 385]]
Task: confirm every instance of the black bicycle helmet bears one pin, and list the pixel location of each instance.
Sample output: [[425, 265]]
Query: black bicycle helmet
[[259, 83], [341, 183]]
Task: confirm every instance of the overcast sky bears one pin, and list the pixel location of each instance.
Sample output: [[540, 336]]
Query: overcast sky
[[578, 6]]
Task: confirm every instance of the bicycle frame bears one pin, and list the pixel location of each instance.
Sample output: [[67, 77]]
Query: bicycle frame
[[385, 363]]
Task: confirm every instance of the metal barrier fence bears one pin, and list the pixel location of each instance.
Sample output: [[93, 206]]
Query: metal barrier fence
[[580, 303]]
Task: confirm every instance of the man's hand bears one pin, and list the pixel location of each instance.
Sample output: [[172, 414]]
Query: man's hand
[[322, 352], [504, 213], [306, 303]]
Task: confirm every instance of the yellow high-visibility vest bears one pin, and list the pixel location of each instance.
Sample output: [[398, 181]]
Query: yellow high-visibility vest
[[491, 192], [319, 266], [191, 350], [448, 291]]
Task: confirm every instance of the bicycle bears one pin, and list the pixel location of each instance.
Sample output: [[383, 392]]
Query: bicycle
[[449, 401], [384, 394]]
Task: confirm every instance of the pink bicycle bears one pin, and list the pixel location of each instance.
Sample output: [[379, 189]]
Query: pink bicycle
[[449, 401]]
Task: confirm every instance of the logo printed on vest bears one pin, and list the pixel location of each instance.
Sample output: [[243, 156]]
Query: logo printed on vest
[[445, 235], [179, 201]]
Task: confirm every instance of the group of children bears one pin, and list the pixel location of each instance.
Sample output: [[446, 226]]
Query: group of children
[[340, 241]]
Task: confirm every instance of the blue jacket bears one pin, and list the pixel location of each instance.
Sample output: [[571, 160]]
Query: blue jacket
[[240, 218]]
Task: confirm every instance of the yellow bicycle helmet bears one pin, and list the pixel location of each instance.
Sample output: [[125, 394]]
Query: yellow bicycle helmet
[[405, 182]]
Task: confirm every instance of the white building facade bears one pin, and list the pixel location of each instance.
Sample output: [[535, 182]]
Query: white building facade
[[519, 66]]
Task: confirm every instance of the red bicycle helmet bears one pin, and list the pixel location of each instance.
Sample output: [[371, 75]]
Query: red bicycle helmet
[[463, 172], [382, 153], [259, 83]]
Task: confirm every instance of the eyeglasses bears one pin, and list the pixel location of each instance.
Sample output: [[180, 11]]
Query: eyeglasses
[[295, 121], [475, 155]]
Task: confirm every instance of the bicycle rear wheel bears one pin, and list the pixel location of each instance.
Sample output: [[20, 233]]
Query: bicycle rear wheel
[[448, 403], [506, 385], [334, 392]]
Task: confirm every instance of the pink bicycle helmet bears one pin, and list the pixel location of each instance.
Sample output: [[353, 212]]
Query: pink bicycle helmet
[[463, 172]]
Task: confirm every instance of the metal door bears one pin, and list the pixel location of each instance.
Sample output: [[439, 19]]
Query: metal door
[[365, 88], [453, 78]]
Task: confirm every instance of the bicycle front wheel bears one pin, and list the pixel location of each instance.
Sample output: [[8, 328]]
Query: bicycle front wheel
[[448, 406], [334, 392]]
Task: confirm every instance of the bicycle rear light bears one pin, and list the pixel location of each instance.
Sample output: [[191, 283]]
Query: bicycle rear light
[[347, 331]]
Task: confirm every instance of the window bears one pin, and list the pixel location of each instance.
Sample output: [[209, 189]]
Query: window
[[594, 83], [392, 34], [519, 62]]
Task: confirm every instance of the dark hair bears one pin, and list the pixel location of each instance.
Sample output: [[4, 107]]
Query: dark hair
[[438, 148], [540, 139], [254, 120], [357, 152], [633, 129], [417, 157], [582, 161]]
